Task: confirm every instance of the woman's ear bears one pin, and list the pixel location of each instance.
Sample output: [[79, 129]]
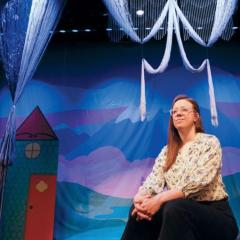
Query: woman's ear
[[196, 117]]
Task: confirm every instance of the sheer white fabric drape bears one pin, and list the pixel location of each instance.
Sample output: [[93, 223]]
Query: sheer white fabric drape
[[224, 11]]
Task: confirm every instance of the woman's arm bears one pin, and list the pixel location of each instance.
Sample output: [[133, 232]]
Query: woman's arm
[[206, 168], [154, 183], [169, 195], [155, 180]]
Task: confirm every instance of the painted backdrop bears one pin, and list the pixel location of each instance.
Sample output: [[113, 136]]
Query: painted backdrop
[[89, 92]]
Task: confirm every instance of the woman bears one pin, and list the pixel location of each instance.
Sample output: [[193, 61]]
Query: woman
[[184, 196]]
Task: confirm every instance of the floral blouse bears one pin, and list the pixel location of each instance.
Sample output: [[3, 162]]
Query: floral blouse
[[196, 171]]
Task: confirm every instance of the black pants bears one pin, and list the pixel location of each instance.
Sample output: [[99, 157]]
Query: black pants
[[183, 219]]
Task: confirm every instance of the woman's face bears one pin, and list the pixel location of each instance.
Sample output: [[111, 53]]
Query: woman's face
[[183, 114]]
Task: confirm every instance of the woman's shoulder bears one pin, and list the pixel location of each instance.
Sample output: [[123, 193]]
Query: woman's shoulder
[[163, 152], [208, 139], [161, 158]]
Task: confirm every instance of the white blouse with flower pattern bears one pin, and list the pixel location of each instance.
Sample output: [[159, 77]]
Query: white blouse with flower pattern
[[196, 171]]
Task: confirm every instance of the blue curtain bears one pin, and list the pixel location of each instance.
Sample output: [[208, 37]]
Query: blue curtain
[[26, 28]]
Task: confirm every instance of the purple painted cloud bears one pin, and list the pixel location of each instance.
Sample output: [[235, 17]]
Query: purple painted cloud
[[107, 171], [231, 110], [81, 117], [231, 161], [74, 118]]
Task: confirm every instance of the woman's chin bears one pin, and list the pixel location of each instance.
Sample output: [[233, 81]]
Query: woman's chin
[[179, 126]]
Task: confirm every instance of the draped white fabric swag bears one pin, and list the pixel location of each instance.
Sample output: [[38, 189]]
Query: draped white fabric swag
[[223, 13]]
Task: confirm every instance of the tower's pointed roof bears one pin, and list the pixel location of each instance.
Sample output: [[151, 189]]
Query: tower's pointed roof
[[35, 127]]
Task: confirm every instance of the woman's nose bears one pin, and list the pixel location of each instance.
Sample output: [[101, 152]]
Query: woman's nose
[[179, 113]]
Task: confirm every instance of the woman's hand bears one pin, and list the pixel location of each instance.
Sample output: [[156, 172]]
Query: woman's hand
[[138, 211], [146, 206], [140, 198], [151, 205]]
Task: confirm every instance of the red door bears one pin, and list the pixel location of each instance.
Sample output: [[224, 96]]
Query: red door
[[40, 209]]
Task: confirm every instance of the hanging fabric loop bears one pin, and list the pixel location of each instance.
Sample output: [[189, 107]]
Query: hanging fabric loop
[[143, 94], [213, 108], [223, 13]]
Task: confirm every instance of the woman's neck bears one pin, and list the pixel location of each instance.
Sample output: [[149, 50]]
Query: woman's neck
[[187, 135]]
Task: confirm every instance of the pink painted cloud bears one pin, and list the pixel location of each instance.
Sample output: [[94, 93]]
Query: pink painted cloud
[[106, 171]]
